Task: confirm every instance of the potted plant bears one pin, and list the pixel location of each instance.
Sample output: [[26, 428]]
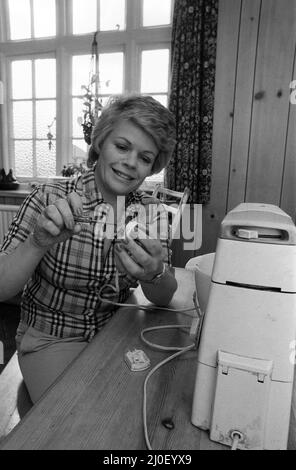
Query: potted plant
[[73, 169]]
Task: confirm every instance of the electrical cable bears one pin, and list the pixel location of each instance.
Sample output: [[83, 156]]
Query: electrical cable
[[157, 346], [179, 350], [236, 437], [139, 307], [178, 353], [160, 364]]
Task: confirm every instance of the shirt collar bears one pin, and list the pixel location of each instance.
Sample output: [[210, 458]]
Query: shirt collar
[[86, 186]]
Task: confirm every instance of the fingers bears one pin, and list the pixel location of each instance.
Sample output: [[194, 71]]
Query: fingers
[[56, 222], [119, 263], [62, 212], [139, 262], [151, 246], [146, 200], [66, 214], [75, 203], [52, 219], [126, 264]]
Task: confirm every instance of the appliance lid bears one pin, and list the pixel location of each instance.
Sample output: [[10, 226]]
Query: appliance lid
[[259, 223]]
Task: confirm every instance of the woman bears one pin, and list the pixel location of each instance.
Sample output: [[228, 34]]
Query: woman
[[67, 267]]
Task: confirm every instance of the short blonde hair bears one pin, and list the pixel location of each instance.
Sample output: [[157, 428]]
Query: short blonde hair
[[146, 113]]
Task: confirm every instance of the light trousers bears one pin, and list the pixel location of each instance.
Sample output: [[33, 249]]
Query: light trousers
[[42, 357]]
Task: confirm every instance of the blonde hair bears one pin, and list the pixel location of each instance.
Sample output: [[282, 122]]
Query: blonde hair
[[146, 113]]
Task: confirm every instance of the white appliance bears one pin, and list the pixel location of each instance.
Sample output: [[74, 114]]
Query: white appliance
[[245, 363]]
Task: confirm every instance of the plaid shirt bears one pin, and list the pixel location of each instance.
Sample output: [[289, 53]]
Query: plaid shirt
[[61, 297]]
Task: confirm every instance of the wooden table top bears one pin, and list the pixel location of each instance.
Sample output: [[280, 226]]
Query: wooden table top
[[97, 402]]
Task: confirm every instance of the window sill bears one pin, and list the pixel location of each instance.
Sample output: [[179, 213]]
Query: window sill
[[27, 184], [22, 190]]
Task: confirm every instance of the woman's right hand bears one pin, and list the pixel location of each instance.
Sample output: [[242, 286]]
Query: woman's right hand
[[56, 223]]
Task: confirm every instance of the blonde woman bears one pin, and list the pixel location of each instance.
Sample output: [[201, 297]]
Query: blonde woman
[[63, 264]]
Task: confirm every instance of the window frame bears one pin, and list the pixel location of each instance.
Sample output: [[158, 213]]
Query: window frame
[[33, 99], [62, 47]]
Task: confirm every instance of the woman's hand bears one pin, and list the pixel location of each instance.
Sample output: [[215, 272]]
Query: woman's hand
[[56, 223], [142, 261]]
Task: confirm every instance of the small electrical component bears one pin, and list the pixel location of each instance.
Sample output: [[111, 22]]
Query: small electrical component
[[137, 360], [135, 230]]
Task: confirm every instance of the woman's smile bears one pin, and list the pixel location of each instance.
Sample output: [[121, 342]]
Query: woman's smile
[[122, 175]]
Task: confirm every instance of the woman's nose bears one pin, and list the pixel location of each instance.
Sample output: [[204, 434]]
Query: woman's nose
[[131, 159]]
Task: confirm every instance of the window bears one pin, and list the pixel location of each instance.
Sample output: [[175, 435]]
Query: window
[[156, 12], [90, 15], [156, 83], [20, 23], [47, 63], [110, 82], [33, 105]]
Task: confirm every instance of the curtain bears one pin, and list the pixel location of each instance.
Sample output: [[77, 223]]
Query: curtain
[[192, 96]]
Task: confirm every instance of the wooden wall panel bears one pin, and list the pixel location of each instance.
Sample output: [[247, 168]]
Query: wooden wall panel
[[254, 143], [274, 66], [243, 101], [227, 46]]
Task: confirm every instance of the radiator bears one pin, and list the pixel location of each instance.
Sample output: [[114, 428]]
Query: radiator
[[7, 212]]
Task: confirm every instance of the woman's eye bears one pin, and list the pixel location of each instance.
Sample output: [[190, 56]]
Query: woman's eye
[[122, 147], [146, 159]]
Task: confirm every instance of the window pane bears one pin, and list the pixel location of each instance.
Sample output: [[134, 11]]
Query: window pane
[[84, 16], [79, 150], [22, 119], [45, 114], [23, 157], [158, 62], [45, 78], [45, 159], [112, 14], [81, 73], [44, 18], [20, 19], [156, 12], [111, 73], [21, 79], [155, 178], [163, 99]]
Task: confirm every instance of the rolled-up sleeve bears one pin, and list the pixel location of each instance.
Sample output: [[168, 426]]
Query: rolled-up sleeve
[[24, 221]]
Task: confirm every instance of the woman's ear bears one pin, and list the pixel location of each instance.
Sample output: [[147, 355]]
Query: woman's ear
[[93, 156]]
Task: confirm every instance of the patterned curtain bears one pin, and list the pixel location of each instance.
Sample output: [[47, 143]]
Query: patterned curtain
[[192, 96]]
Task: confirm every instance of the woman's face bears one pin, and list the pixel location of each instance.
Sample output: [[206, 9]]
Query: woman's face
[[125, 159]]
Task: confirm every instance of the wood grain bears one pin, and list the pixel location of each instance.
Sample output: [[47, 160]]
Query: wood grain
[[227, 46], [274, 66], [245, 69], [254, 123]]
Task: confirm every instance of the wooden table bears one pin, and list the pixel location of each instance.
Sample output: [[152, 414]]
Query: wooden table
[[97, 402]]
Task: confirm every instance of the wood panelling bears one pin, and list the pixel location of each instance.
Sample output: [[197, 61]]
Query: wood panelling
[[227, 47], [274, 67], [245, 71], [254, 139]]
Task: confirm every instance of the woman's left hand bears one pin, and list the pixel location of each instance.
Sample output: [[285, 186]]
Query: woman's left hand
[[142, 261]]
